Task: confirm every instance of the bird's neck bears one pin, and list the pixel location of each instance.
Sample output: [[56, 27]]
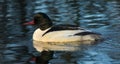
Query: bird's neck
[[44, 27]]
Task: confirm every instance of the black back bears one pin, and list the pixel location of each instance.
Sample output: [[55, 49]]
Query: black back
[[63, 27]]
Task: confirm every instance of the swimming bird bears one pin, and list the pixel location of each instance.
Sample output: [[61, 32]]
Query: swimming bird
[[62, 37]]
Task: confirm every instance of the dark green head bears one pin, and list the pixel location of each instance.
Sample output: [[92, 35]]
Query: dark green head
[[42, 21]]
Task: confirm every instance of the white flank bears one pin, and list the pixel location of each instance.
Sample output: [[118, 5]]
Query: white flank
[[64, 40]]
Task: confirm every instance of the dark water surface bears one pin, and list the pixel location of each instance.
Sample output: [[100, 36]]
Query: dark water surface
[[100, 16]]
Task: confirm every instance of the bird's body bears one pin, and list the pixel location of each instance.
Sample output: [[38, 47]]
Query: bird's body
[[63, 38], [60, 37]]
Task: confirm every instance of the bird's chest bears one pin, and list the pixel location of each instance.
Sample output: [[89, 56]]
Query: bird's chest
[[38, 34]]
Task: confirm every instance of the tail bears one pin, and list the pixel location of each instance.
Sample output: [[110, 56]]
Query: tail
[[92, 37]]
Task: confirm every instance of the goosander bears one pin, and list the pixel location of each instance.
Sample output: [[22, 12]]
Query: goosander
[[49, 37]]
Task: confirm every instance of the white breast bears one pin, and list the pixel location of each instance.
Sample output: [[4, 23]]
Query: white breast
[[37, 35]]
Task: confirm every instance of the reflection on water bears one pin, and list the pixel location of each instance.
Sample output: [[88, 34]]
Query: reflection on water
[[100, 16]]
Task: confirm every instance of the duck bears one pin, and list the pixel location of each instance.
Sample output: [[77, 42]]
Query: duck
[[60, 37]]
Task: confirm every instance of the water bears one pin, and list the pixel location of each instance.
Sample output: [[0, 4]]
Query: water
[[100, 16]]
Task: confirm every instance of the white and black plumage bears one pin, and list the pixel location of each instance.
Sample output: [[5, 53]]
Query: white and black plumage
[[60, 37]]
